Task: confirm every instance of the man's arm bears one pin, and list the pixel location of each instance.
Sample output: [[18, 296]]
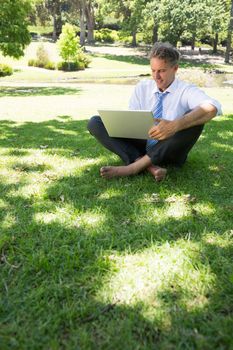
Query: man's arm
[[199, 115]]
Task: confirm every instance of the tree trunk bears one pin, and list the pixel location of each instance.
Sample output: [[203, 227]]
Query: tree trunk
[[193, 41], [155, 33], [54, 27], [215, 43], [82, 26], [90, 22], [229, 35], [134, 39]]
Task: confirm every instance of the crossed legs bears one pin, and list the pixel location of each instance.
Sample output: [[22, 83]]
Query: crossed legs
[[172, 151], [134, 168]]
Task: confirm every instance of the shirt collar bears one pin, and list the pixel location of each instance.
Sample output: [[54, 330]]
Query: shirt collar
[[170, 88]]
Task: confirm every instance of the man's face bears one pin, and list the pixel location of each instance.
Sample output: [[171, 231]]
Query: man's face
[[162, 72]]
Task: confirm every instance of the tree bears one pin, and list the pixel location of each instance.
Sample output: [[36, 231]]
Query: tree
[[131, 14], [218, 14], [173, 20], [229, 35], [54, 8], [151, 19], [68, 43], [196, 12], [14, 34], [86, 18]]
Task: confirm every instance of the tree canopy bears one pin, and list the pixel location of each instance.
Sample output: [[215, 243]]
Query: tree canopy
[[14, 34], [185, 21]]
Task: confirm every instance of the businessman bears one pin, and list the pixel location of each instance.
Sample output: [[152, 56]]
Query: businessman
[[180, 111]]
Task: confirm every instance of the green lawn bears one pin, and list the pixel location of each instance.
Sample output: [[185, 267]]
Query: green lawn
[[92, 264], [88, 263]]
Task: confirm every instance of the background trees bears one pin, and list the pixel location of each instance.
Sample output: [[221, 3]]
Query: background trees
[[229, 34], [185, 22]]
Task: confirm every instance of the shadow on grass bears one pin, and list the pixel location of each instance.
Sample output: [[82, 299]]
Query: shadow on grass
[[65, 137], [128, 59], [140, 60], [54, 266], [191, 63], [37, 91]]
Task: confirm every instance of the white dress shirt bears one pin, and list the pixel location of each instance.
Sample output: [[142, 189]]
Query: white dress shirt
[[182, 97]]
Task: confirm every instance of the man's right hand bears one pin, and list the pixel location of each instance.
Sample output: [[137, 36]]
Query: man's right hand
[[163, 129]]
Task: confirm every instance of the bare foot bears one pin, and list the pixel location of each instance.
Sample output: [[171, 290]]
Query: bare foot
[[158, 173], [109, 172]]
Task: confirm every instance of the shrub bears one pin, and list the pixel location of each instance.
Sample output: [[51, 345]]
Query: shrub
[[68, 43], [5, 70], [70, 50], [83, 58], [125, 37], [106, 35], [42, 56], [70, 66], [42, 60], [35, 63], [32, 62], [50, 65]]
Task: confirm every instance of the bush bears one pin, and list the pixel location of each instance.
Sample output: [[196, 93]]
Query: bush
[[70, 50], [50, 65], [68, 44], [32, 62], [42, 56], [70, 66], [125, 37], [5, 70], [83, 58], [42, 60], [106, 35], [36, 63]]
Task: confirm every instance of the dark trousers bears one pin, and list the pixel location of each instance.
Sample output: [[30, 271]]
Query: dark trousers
[[172, 151]]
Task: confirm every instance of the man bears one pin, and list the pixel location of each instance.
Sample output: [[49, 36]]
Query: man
[[180, 111]]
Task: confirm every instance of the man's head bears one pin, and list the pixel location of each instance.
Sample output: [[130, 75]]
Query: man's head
[[164, 60]]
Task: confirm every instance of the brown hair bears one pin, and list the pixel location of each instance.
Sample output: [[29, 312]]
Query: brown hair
[[166, 52]]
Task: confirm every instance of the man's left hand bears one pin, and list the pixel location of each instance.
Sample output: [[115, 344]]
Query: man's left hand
[[163, 130]]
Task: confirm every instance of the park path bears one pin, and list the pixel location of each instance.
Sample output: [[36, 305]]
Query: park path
[[92, 96]]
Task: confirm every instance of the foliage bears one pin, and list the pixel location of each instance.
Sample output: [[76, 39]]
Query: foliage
[[70, 66], [36, 63], [106, 35], [68, 43], [32, 62], [42, 59], [42, 56], [70, 50], [14, 34], [5, 70], [50, 65], [229, 34]]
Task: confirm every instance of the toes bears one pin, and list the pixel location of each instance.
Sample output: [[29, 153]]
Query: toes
[[105, 172]]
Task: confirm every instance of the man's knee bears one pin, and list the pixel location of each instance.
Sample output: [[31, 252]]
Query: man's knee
[[175, 150], [94, 124]]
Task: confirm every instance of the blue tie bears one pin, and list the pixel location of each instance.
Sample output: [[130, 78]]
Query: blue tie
[[157, 113]]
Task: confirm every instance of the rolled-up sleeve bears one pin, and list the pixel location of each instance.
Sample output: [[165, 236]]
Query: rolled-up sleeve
[[197, 97]]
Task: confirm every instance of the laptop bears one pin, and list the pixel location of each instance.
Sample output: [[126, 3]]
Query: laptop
[[127, 123]]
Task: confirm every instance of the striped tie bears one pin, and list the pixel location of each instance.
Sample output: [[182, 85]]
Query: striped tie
[[157, 113]]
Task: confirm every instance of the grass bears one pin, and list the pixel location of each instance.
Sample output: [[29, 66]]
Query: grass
[[88, 263]]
